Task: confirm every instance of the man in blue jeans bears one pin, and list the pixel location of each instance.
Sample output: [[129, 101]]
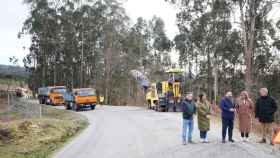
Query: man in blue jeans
[[228, 109], [188, 109]]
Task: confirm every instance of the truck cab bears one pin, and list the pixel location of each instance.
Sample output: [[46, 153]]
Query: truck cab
[[51, 95], [80, 98]]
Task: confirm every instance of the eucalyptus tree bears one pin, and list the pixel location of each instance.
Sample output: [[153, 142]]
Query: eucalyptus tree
[[161, 48], [204, 28], [43, 27], [234, 43], [254, 23]]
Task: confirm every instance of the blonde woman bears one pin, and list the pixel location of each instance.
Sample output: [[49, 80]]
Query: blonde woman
[[244, 111]]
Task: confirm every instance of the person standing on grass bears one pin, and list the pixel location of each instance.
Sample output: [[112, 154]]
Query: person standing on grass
[[244, 110], [265, 109], [228, 110], [203, 117], [188, 109]]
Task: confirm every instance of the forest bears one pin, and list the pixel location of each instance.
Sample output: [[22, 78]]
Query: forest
[[227, 45]]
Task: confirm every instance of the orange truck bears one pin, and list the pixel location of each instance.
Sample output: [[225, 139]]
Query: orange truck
[[80, 98], [51, 95]]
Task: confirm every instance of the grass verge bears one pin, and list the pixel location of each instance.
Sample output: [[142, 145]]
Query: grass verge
[[39, 137]]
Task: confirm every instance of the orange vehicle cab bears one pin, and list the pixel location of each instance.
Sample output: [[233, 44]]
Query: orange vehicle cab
[[56, 95], [52, 95], [81, 98]]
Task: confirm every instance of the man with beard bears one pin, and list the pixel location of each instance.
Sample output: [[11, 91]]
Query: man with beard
[[228, 110]]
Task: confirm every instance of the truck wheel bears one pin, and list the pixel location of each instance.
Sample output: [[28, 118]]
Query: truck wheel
[[43, 101], [149, 104], [51, 103], [68, 106], [163, 109], [92, 106], [174, 108], [75, 107], [47, 102]]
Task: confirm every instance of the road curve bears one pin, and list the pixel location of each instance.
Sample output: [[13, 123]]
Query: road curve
[[133, 132]]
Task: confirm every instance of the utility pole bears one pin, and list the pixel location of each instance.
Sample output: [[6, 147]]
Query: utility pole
[[82, 57]]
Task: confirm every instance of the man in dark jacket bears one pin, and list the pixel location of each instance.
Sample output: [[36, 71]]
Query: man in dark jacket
[[228, 109], [265, 109], [188, 109]]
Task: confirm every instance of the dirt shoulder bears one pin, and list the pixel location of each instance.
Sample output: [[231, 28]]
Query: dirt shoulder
[[37, 137]]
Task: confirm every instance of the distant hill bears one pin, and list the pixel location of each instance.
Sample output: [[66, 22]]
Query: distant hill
[[7, 70]]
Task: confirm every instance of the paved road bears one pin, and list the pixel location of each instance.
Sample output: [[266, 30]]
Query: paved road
[[132, 132]]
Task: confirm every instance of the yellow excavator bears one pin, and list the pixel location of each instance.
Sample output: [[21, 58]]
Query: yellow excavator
[[166, 94]]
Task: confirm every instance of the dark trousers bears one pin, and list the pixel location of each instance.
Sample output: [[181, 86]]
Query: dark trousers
[[203, 134], [227, 126]]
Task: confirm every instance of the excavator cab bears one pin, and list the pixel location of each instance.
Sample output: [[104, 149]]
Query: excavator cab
[[152, 96], [168, 92], [176, 81]]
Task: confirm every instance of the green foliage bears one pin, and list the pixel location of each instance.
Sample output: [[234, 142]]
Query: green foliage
[[161, 42], [90, 45], [13, 75], [211, 38]]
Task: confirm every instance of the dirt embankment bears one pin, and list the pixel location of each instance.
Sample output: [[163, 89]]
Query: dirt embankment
[[22, 137]]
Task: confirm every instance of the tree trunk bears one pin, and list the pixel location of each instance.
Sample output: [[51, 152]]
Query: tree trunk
[[54, 74], [215, 81], [108, 76], [248, 42], [44, 70], [209, 74]]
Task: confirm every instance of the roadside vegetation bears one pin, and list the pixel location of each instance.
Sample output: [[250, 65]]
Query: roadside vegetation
[[12, 77], [93, 44], [35, 137], [12, 74]]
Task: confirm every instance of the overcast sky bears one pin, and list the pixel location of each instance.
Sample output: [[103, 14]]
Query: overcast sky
[[13, 13], [148, 8]]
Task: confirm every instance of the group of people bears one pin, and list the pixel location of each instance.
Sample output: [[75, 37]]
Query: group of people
[[264, 110]]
